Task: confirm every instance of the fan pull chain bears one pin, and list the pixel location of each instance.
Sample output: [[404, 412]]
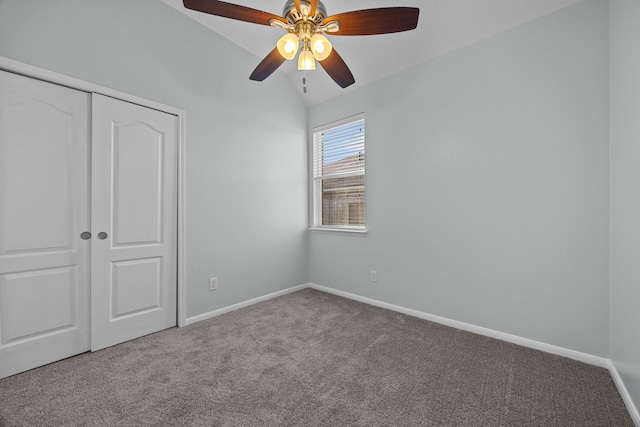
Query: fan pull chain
[[304, 82]]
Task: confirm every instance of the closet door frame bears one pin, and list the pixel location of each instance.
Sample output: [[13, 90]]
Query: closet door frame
[[27, 70]]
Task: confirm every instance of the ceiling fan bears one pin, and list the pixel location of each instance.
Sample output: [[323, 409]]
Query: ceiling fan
[[306, 22]]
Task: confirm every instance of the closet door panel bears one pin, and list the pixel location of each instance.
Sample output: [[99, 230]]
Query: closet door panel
[[137, 208], [37, 302], [37, 222], [44, 207]]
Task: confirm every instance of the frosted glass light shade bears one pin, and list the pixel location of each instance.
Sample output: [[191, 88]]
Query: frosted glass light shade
[[288, 46], [306, 61], [320, 47]]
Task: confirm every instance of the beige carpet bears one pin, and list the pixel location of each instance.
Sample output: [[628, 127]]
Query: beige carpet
[[313, 359]]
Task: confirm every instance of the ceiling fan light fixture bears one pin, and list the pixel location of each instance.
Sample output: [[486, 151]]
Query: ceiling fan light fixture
[[305, 60], [320, 47], [288, 46], [304, 19]]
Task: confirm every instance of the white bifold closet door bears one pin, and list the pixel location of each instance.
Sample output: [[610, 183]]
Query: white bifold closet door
[[44, 206], [88, 203], [134, 218]]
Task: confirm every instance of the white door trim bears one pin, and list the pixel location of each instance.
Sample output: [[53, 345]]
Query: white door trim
[[27, 70]]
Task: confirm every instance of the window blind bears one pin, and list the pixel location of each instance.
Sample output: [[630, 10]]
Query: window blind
[[339, 174]]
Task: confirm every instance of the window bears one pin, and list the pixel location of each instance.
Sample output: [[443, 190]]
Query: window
[[338, 175]]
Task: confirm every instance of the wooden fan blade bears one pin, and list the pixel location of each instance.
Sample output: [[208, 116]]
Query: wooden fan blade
[[268, 65], [335, 66], [314, 7], [297, 3], [232, 11], [367, 22]]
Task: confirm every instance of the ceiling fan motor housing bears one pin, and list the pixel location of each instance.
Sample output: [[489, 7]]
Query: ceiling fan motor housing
[[291, 14]]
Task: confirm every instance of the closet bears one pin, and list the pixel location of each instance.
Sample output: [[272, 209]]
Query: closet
[[88, 221]]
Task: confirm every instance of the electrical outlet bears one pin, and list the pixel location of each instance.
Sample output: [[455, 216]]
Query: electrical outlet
[[374, 276], [213, 283]]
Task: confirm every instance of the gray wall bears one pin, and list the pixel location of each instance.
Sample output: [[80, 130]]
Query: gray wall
[[246, 141], [487, 184], [625, 193]]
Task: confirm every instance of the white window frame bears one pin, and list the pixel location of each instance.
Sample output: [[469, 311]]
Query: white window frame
[[317, 225]]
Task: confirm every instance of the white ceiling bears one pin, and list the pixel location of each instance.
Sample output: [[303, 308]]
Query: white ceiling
[[444, 25]]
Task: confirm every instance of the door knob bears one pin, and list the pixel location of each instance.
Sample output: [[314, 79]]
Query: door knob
[[102, 235], [85, 235]]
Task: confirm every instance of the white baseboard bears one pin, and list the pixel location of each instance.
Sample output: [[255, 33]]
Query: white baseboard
[[525, 342], [243, 304], [626, 397]]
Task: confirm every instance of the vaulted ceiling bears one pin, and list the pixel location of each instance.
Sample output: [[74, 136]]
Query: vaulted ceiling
[[444, 25]]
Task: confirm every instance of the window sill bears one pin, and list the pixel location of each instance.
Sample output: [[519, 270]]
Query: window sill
[[343, 231]]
